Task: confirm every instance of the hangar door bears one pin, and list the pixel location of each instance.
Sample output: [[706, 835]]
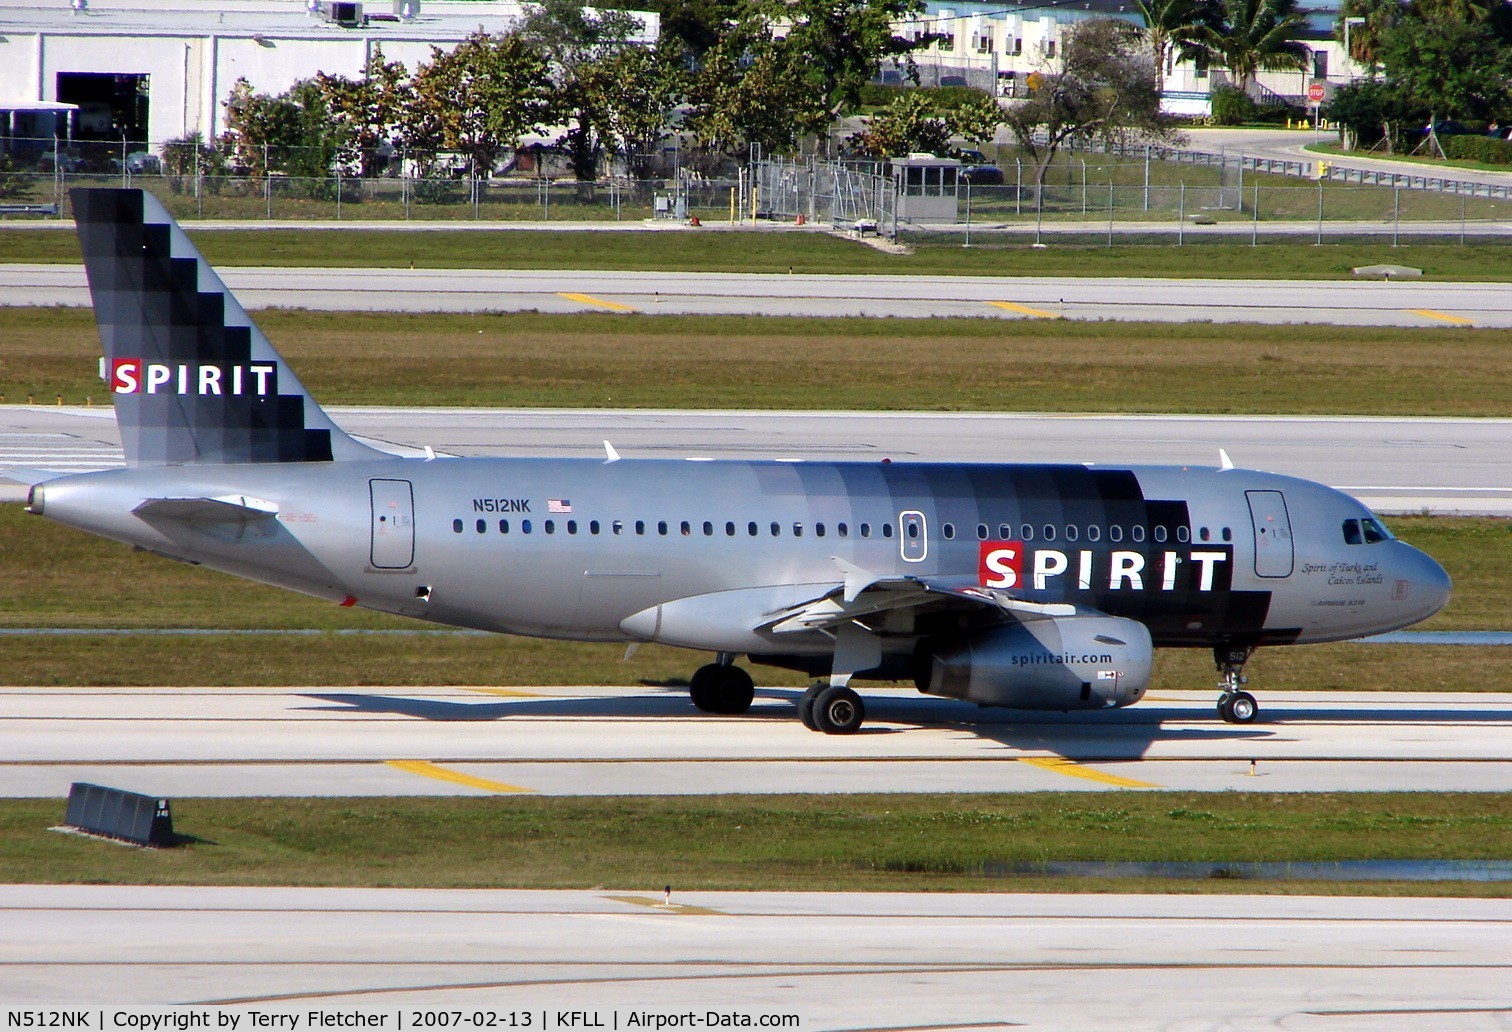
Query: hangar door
[[1274, 556], [393, 524]]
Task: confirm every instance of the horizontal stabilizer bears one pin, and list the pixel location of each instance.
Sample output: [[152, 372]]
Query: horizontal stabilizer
[[225, 509], [28, 475]]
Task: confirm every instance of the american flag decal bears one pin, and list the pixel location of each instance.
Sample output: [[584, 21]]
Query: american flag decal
[[558, 505]]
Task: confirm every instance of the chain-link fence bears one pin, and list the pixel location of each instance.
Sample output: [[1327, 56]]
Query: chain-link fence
[[852, 197]]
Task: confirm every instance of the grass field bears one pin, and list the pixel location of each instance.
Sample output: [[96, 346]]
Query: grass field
[[607, 360], [803, 252], [878, 843], [81, 582]]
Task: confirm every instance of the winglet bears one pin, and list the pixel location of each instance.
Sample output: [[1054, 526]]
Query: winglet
[[1224, 462], [613, 456]]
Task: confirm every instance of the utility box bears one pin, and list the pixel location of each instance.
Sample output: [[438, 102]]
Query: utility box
[[927, 187]]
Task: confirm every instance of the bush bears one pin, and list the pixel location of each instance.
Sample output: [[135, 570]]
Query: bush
[[941, 97], [1232, 106], [1485, 149]]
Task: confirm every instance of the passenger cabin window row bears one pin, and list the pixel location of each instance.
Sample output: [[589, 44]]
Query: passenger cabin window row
[[1353, 530]]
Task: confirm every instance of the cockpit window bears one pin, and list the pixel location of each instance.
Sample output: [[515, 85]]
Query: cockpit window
[[1352, 532], [1374, 532]]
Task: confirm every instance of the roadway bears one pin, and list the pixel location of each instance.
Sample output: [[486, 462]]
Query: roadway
[[649, 740], [1393, 464], [1292, 144], [863, 962], [1276, 302]]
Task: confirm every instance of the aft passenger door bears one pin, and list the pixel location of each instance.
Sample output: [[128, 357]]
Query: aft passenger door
[[393, 524], [1274, 555]]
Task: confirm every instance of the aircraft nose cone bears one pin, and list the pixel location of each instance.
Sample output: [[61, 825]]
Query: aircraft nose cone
[[1427, 583]]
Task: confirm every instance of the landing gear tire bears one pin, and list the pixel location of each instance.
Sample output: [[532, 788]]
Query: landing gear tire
[[721, 689], [1238, 708], [806, 704], [838, 711]]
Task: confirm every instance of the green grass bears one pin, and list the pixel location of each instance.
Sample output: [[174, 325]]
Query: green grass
[[1414, 162], [815, 843], [802, 252], [64, 571], [616, 361]]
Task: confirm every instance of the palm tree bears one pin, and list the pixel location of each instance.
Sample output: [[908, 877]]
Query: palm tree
[[1170, 26], [1251, 36]]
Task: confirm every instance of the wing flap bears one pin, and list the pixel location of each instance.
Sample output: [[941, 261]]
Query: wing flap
[[852, 602]]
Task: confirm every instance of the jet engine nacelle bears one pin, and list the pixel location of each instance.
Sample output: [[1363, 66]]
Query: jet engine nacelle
[[1065, 663]]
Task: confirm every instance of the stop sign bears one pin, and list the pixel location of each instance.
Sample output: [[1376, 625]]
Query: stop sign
[[1315, 93]]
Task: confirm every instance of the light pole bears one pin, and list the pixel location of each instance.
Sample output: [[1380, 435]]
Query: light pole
[[1348, 54]]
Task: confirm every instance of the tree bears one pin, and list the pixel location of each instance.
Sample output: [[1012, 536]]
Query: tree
[[1450, 66], [916, 122], [1105, 91], [691, 28], [640, 88], [745, 95], [1171, 28], [1370, 112], [290, 132], [1365, 37], [478, 100], [585, 49], [368, 110], [1246, 37]]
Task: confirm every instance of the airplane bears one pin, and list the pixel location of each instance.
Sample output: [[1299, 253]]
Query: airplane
[[1028, 586]]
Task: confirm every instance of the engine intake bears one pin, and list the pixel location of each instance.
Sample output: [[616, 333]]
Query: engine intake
[[1066, 663]]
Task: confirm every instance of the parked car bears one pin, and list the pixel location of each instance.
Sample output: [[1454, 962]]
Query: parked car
[[982, 175]]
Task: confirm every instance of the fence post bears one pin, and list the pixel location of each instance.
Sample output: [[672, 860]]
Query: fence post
[[1462, 220], [1147, 178], [1239, 197], [1039, 211], [1396, 214], [1084, 184], [1255, 223], [1181, 217], [338, 194], [57, 178], [968, 214], [1018, 187], [267, 184], [1320, 212], [1110, 210]]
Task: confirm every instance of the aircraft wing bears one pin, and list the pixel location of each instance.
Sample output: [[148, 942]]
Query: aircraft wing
[[850, 603], [223, 509], [29, 475]]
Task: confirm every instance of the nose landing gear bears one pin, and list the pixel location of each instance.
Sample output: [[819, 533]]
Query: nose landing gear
[[1235, 706]]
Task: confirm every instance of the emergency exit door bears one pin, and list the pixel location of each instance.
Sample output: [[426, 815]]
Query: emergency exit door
[[393, 524], [1274, 555]]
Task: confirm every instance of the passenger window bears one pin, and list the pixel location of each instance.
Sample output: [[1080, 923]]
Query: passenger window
[[842, 529], [1071, 532], [1137, 532], [1352, 532], [549, 526], [797, 530], [866, 530], [1026, 533], [1094, 533], [1374, 532], [776, 529], [1115, 533], [818, 530], [503, 526], [1228, 534], [752, 529], [685, 527], [729, 530], [618, 526], [640, 527], [981, 532], [1204, 534], [947, 531], [1160, 534], [1049, 532], [887, 530], [524, 526], [482, 526], [661, 527], [572, 526], [593, 526], [708, 529], [1183, 535], [456, 526]]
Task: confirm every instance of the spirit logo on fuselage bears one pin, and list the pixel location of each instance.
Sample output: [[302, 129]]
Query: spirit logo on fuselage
[[206, 379], [1012, 564]]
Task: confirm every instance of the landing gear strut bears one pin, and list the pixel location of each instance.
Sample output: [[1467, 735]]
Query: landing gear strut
[[722, 687], [1235, 706]]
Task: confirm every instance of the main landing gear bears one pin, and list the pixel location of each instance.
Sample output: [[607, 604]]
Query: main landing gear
[[831, 708], [1235, 706], [722, 687]]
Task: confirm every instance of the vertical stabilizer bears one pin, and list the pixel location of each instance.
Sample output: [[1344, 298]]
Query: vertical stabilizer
[[192, 378]]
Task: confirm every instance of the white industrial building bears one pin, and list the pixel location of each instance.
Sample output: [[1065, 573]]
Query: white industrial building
[[153, 70]]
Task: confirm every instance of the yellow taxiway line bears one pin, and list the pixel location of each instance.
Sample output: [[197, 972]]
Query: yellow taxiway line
[[671, 908], [1013, 306], [508, 693], [1429, 313], [589, 299], [427, 769], [1072, 769]]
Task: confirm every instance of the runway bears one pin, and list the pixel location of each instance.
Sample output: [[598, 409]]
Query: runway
[[651, 741], [860, 962], [1344, 303]]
